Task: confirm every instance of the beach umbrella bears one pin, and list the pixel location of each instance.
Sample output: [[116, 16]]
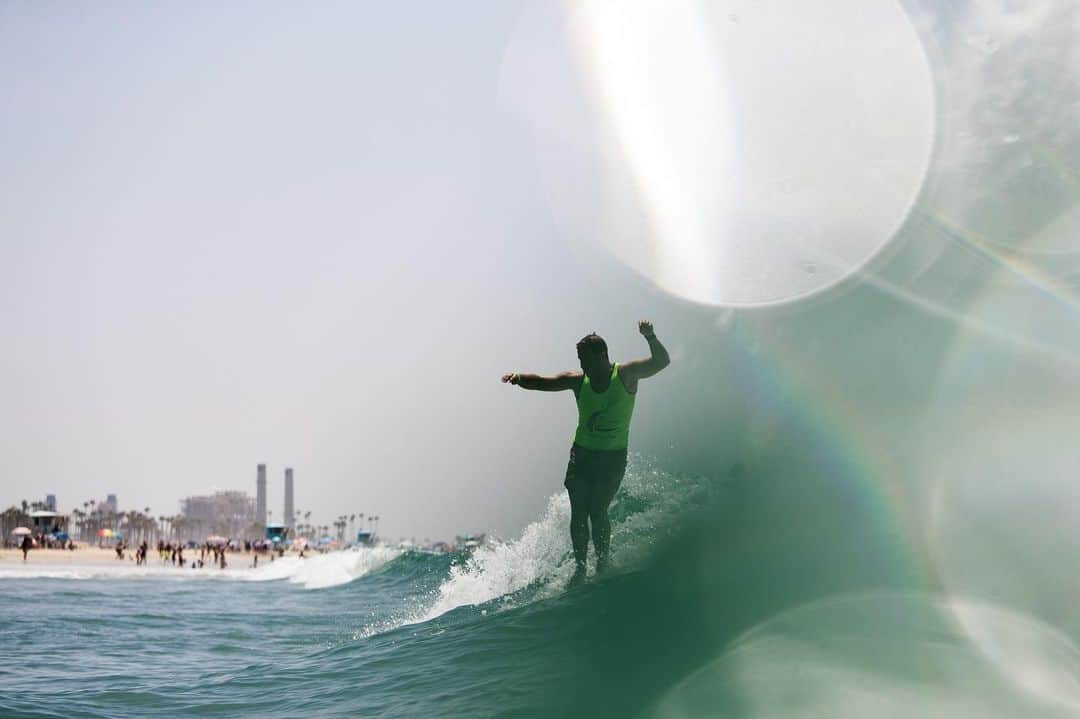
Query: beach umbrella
[[216, 539], [21, 531], [105, 533]]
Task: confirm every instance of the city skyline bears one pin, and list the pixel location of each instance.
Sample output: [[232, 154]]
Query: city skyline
[[200, 508]]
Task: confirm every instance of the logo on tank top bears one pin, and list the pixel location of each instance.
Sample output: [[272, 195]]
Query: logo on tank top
[[595, 423]]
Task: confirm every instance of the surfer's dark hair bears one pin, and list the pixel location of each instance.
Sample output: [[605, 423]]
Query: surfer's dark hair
[[592, 343]]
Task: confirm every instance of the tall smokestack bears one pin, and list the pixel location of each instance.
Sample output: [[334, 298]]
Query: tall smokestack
[[288, 498], [260, 495]]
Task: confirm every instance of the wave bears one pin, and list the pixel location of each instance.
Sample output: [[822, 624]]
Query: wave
[[320, 571], [501, 569], [538, 564]]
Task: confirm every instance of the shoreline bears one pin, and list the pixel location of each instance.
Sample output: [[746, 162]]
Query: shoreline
[[81, 555], [102, 556]]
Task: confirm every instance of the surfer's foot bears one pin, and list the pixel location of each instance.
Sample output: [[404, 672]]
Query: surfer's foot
[[579, 576], [603, 564]]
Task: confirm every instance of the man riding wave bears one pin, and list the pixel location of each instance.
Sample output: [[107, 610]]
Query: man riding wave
[[605, 394]]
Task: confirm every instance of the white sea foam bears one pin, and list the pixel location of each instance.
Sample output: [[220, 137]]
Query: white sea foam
[[120, 569], [502, 568], [497, 569], [543, 554], [324, 570]]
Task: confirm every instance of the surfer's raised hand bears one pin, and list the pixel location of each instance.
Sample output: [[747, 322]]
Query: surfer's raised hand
[[658, 359], [512, 378]]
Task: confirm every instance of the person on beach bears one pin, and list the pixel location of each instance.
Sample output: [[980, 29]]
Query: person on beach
[[27, 543], [605, 394]]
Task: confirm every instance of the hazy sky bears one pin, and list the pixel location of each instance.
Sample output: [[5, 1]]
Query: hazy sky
[[305, 236], [316, 235]]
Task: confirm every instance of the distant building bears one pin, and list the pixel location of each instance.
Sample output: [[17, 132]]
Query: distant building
[[228, 514], [111, 503], [288, 520], [260, 494], [50, 502]]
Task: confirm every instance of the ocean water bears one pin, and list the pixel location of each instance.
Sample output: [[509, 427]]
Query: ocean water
[[727, 599], [368, 632]]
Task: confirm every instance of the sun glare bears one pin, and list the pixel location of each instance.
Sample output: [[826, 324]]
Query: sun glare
[[772, 149]]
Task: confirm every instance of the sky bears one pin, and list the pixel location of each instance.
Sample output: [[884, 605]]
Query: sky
[[315, 236], [304, 237]]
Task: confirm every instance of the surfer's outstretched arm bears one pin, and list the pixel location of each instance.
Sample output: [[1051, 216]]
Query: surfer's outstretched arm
[[659, 359], [544, 383]]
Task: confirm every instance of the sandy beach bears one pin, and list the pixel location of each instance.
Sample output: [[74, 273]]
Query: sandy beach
[[94, 555], [81, 555]]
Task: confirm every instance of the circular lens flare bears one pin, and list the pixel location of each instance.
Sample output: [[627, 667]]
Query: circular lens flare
[[770, 149]]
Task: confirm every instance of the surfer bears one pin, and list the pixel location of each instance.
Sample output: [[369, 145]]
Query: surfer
[[605, 393]]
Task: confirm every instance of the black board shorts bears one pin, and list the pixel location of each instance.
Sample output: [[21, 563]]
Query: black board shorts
[[595, 466]]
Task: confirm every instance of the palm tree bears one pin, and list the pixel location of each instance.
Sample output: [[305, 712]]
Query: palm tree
[[77, 514], [10, 517]]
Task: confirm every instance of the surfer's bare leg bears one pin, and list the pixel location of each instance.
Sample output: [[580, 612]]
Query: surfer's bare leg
[[580, 496], [603, 493]]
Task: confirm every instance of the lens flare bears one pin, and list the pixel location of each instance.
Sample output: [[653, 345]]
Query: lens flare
[[659, 75], [877, 655], [772, 149]]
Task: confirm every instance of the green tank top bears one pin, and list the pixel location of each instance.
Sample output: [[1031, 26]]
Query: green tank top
[[604, 417]]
